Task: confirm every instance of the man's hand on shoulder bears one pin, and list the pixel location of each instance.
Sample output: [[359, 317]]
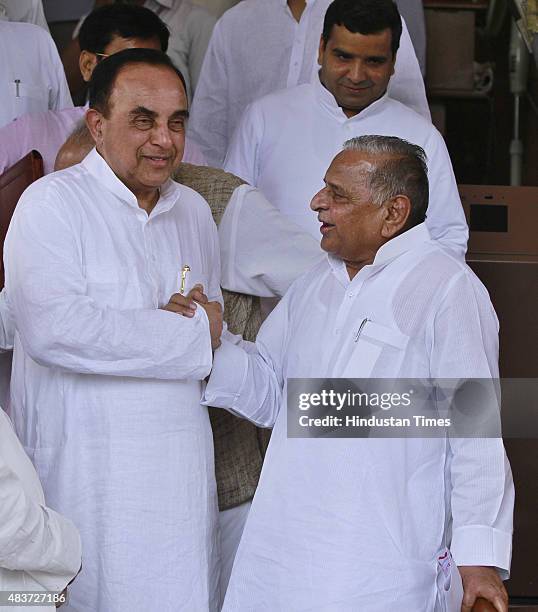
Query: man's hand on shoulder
[[479, 581], [186, 305]]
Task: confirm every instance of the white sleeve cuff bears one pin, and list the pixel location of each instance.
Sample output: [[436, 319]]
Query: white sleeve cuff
[[482, 545], [230, 366]]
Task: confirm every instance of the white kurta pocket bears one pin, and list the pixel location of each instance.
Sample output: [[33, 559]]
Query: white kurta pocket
[[369, 340], [449, 584]]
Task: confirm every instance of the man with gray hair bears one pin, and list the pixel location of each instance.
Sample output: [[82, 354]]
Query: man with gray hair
[[371, 523]]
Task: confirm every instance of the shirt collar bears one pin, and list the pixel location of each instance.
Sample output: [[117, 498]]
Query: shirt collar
[[391, 250], [328, 102], [103, 173]]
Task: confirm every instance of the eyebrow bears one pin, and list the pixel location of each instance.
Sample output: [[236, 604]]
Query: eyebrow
[[142, 110]]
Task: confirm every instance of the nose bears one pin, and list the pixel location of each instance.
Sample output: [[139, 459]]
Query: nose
[[160, 135], [357, 72], [320, 201]]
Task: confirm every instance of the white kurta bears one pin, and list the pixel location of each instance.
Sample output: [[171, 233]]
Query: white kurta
[[106, 388], [32, 77], [39, 549], [287, 140], [359, 524], [256, 48]]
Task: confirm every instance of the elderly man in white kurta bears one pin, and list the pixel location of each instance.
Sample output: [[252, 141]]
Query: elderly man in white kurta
[[286, 140], [262, 46], [107, 377], [371, 524]]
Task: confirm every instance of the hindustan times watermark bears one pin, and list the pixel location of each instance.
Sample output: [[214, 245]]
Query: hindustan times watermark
[[411, 408]]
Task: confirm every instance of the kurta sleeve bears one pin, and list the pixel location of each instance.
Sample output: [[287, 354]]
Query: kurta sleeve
[[242, 158], [59, 96], [209, 121], [465, 346], [407, 84], [262, 252], [33, 538], [445, 217], [61, 326], [248, 382]]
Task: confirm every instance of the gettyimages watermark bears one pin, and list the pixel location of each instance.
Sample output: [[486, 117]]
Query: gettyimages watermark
[[412, 408]]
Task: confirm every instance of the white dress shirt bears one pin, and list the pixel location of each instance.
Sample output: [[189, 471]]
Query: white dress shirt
[[32, 77], [39, 549], [29, 11], [106, 388], [287, 140], [357, 523], [258, 47]]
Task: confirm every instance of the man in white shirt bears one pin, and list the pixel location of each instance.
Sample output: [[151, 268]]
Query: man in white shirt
[[262, 46], [285, 140], [105, 31], [371, 523], [32, 77], [107, 377]]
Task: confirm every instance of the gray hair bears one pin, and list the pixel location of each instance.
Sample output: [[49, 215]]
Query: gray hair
[[399, 168]]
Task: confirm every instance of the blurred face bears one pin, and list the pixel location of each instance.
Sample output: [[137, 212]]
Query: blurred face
[[143, 137], [88, 61], [351, 225], [356, 68]]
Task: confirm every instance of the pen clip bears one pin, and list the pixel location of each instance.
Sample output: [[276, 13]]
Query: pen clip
[[17, 85], [361, 327]]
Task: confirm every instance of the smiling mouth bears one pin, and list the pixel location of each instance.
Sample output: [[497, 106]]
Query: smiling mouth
[[157, 160]]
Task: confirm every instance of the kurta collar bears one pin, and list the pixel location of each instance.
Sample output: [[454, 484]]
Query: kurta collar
[[328, 102], [103, 173], [388, 252]]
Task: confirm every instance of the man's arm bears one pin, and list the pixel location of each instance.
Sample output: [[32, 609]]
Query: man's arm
[[208, 122], [61, 326], [445, 217], [242, 158], [465, 335], [262, 252], [248, 381], [33, 538], [59, 95]]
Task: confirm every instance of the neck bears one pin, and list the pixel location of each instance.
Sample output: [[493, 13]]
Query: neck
[[354, 267], [297, 8], [148, 199]]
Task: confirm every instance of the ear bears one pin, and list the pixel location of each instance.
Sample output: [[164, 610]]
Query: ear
[[397, 212], [87, 62], [393, 64], [94, 121], [321, 50]]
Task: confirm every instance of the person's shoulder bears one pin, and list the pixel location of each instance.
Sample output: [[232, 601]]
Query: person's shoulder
[[408, 114], [284, 99], [54, 190], [190, 200]]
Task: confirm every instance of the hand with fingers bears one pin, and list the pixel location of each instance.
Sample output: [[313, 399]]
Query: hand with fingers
[[186, 305], [482, 583]]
